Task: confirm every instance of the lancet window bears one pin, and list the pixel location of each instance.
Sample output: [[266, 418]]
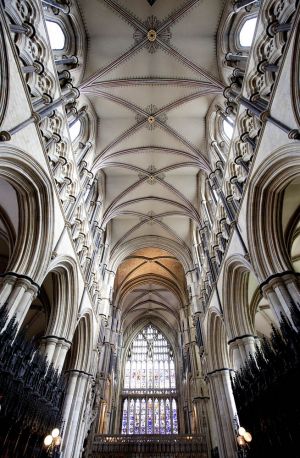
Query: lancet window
[[149, 392], [228, 129], [56, 35], [75, 130], [247, 32]]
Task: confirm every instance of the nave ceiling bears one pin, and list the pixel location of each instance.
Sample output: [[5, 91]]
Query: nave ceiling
[[151, 75]]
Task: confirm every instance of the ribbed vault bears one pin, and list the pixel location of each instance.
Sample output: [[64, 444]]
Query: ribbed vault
[[150, 283], [151, 75]]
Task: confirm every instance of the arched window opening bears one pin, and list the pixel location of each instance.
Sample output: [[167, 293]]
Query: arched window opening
[[149, 392], [247, 32], [75, 130], [228, 129], [56, 35]]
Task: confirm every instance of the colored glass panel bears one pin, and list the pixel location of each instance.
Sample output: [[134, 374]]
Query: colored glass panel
[[172, 374], [127, 375], [124, 417], [162, 417], [156, 416], [131, 417], [174, 415], [143, 417], [149, 369], [168, 417], [137, 417], [167, 375], [150, 417]]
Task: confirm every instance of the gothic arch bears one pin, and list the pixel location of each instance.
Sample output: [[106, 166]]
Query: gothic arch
[[265, 235], [7, 238], [82, 344], [63, 314], [235, 297], [132, 331], [168, 333], [32, 251], [218, 357]]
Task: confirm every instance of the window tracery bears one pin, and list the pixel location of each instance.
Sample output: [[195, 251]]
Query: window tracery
[[149, 406]]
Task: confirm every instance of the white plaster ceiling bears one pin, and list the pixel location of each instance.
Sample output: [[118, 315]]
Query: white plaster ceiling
[[151, 169]]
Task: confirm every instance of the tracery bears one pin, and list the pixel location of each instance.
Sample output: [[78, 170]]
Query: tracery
[[149, 392]]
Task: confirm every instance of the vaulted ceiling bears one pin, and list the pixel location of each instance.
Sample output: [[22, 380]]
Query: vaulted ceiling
[[151, 75]]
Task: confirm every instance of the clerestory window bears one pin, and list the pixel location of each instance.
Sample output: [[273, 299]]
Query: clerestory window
[[75, 130], [56, 35], [247, 32], [228, 129], [149, 391]]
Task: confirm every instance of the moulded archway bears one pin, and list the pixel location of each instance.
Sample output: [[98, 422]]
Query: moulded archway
[[265, 235], [62, 322], [32, 250]]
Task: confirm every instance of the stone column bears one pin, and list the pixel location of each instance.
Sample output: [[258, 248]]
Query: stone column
[[283, 293], [241, 347], [17, 293], [224, 411], [230, 57], [72, 413], [59, 6], [66, 60], [78, 116], [221, 155], [55, 349]]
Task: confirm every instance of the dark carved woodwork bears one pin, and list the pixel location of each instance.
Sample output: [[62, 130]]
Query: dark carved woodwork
[[172, 446], [31, 394], [266, 391]]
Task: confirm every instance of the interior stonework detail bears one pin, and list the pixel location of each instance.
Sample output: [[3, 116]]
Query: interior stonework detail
[[149, 228]]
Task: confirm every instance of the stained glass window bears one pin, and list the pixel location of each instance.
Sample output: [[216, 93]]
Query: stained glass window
[[150, 417], [149, 391], [131, 417], [156, 416], [124, 418]]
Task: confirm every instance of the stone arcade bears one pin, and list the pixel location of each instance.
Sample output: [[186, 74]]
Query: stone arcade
[[149, 228]]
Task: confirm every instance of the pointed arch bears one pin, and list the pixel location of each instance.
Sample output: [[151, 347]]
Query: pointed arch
[[217, 349], [63, 314], [235, 297], [82, 344], [265, 235], [32, 250]]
